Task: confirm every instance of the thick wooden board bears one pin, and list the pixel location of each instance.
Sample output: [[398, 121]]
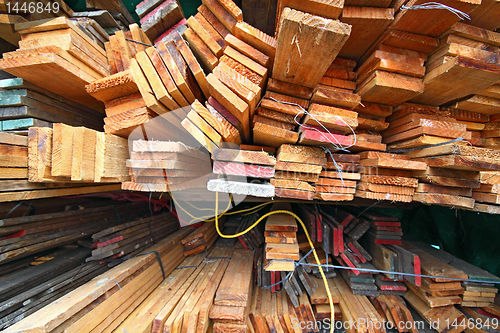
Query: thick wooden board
[[479, 75], [213, 20], [268, 135], [291, 63], [368, 24], [256, 38], [289, 89], [243, 156], [335, 96], [231, 102], [247, 50], [240, 169]]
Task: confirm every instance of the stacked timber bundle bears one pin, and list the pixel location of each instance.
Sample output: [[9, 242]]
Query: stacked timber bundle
[[250, 240], [439, 290], [391, 77], [156, 17], [371, 121], [476, 294], [276, 119], [387, 176], [128, 283], [120, 48], [297, 169], [244, 171], [474, 122], [456, 166], [394, 311], [52, 275], [466, 59], [234, 294], [200, 239], [131, 238], [66, 153], [414, 125], [26, 105], [281, 244], [489, 184], [163, 166], [384, 228], [61, 50], [337, 180], [31, 235], [356, 307], [20, 158]]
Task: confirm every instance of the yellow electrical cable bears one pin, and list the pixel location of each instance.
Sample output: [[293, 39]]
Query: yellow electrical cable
[[330, 300]]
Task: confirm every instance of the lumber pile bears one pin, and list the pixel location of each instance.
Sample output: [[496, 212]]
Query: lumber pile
[[476, 294], [26, 236], [297, 169], [371, 121], [66, 154], [63, 53], [464, 58], [460, 163], [276, 119], [243, 171], [200, 239], [281, 241], [234, 294], [109, 22], [489, 135], [414, 125], [488, 187], [127, 283], [391, 76], [26, 105], [386, 229], [337, 181], [51, 276], [475, 124], [436, 291], [387, 176], [16, 179], [129, 239], [121, 48], [394, 311], [164, 166]]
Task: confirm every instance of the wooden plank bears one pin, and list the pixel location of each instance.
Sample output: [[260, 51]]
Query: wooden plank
[[161, 19], [165, 76], [247, 50], [328, 9], [206, 58], [287, 88], [231, 102], [335, 96], [334, 35], [256, 38], [214, 21], [368, 24], [479, 75], [191, 62], [145, 89], [240, 169]]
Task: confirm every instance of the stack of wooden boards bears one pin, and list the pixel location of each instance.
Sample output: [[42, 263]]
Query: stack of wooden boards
[[119, 291], [76, 154], [387, 176], [200, 239], [467, 57], [371, 121], [131, 238], [337, 181], [455, 166], [415, 125], [281, 244], [275, 120], [231, 304], [489, 184], [391, 76], [18, 180], [209, 127], [53, 51], [384, 228], [50, 277], [475, 294], [297, 168], [244, 171], [26, 105], [164, 166], [123, 46], [26, 236]]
